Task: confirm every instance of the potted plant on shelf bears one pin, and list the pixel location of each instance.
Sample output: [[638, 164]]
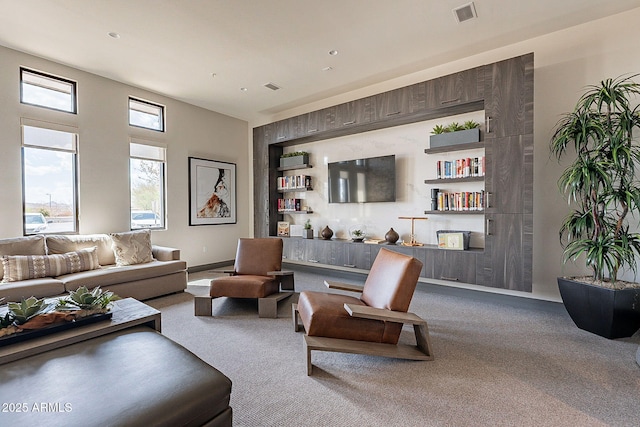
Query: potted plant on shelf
[[602, 188], [297, 158], [454, 134], [307, 232]]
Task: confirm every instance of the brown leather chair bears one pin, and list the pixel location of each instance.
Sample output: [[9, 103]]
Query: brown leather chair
[[372, 323], [257, 273]]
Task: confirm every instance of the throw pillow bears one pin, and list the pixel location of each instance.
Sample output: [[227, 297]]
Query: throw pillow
[[23, 267], [133, 247]]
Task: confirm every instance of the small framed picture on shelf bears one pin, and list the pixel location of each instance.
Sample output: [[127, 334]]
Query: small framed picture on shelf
[[283, 228]]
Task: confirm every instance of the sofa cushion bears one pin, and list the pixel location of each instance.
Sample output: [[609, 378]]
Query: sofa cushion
[[39, 288], [22, 267], [111, 274], [32, 245], [60, 244], [132, 247]]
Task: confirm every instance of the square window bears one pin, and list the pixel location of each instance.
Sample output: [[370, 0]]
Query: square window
[[146, 114], [47, 91]]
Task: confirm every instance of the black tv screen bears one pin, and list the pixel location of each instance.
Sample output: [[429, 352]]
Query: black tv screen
[[363, 180]]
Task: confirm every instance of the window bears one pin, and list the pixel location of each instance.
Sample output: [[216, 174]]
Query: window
[[49, 178], [146, 114], [47, 91], [147, 180]]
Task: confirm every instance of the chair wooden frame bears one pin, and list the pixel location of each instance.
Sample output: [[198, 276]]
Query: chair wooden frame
[[267, 306], [421, 351]]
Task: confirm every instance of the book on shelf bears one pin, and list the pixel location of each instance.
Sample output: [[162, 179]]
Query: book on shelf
[[293, 182], [460, 168], [461, 201], [290, 205], [374, 241]]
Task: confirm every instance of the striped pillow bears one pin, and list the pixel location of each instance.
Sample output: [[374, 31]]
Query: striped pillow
[[22, 267]]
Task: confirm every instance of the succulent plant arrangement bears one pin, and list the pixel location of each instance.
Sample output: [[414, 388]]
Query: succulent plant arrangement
[[87, 301], [34, 313], [455, 127], [26, 309], [294, 154]]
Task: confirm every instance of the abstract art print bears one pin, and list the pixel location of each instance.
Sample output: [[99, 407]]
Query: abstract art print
[[212, 192]]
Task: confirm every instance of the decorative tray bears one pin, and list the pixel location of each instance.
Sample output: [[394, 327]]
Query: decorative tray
[[52, 329]]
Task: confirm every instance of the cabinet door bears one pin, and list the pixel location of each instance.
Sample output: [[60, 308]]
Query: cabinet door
[[504, 178], [316, 251], [457, 88], [357, 255], [455, 266], [353, 113], [504, 262], [287, 129], [391, 104], [417, 97], [508, 97]]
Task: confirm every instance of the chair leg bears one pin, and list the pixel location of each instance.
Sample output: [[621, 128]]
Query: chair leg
[[268, 306], [296, 317], [307, 351], [423, 340], [203, 305]]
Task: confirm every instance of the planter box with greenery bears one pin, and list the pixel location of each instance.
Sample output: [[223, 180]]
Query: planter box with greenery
[[455, 134], [298, 158], [602, 189], [307, 232]]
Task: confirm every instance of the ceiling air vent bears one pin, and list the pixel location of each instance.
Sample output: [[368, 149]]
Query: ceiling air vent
[[272, 86], [465, 12]]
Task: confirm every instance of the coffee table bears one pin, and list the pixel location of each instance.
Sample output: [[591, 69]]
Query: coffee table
[[127, 312]]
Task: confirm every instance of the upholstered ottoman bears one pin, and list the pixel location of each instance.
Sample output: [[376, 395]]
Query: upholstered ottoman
[[135, 377]]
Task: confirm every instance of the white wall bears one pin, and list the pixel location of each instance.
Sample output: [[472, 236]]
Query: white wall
[[565, 62], [104, 134]]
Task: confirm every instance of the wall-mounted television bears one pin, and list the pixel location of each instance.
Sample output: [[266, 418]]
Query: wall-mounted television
[[367, 180]]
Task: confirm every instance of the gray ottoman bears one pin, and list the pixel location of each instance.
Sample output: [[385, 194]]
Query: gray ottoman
[[135, 377]]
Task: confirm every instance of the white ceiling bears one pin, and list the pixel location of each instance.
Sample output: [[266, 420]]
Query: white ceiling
[[173, 46]]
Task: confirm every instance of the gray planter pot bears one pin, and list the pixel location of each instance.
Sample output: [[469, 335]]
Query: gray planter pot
[[454, 138], [286, 162], [307, 233]]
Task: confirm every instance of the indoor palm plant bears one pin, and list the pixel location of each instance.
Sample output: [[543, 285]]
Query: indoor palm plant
[[602, 189]]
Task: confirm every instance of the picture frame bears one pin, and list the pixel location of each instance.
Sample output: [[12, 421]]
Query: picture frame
[[212, 192], [283, 229]]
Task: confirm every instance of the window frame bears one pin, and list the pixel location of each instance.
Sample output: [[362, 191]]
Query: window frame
[[74, 164], [161, 107], [163, 172], [73, 94]]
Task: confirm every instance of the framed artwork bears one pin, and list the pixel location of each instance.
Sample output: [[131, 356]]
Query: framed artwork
[[212, 192], [283, 228]]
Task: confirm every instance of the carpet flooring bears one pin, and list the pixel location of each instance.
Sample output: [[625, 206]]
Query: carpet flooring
[[498, 362]]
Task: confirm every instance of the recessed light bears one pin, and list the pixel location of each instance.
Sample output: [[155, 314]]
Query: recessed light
[[114, 35], [333, 52], [214, 74], [244, 89], [327, 68]]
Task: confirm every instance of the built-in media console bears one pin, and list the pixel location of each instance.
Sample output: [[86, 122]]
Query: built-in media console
[[504, 91]]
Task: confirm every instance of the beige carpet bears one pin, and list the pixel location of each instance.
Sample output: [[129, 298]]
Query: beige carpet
[[498, 363]]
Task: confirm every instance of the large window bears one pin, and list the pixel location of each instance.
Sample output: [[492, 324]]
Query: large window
[[47, 91], [147, 180], [146, 114], [49, 178]]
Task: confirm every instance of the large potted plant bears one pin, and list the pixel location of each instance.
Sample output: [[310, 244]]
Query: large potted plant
[[602, 189]]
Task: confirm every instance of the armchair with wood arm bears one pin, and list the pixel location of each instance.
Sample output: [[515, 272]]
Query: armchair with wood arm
[[372, 323], [257, 273]]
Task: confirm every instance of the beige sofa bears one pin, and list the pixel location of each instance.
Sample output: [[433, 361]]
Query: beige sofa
[[165, 274]]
